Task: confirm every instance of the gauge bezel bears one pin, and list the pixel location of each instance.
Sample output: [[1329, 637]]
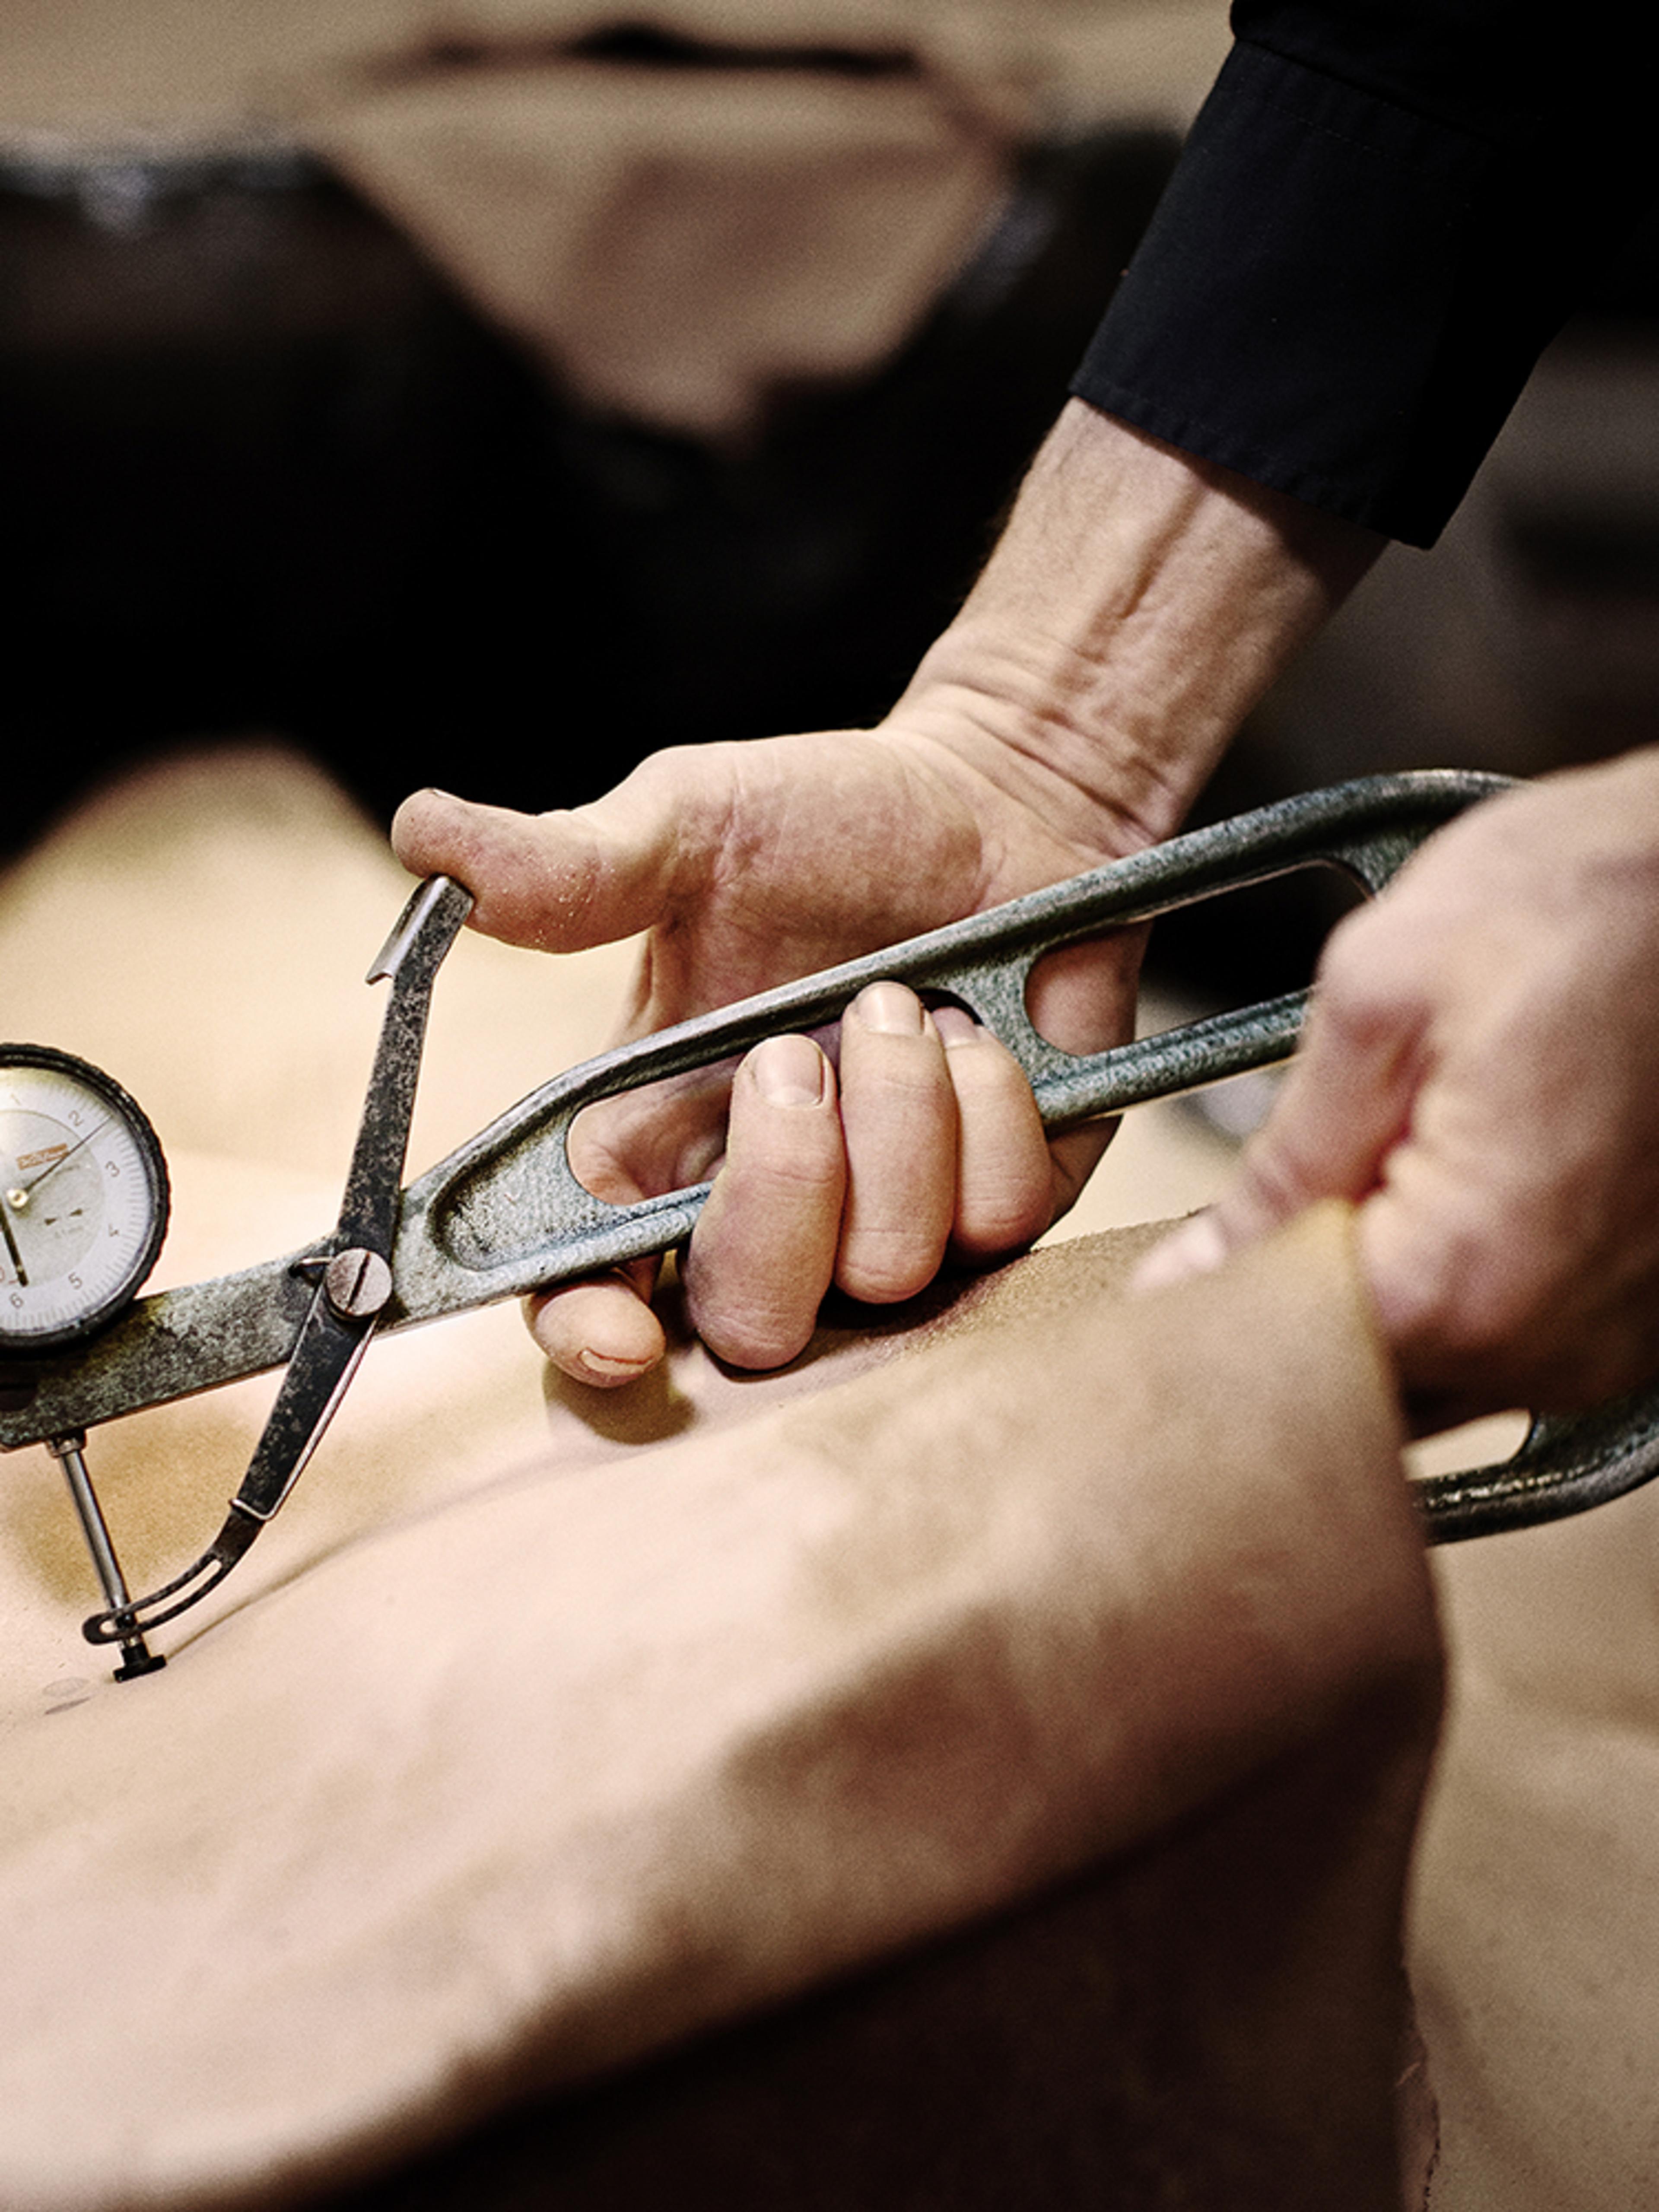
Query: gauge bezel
[[23, 1344]]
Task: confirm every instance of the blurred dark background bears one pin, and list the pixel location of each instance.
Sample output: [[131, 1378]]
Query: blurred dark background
[[265, 472]]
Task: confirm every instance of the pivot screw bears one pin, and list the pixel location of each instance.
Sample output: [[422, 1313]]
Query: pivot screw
[[357, 1283]]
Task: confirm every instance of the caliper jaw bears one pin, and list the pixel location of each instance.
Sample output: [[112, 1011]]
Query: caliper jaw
[[352, 1272]]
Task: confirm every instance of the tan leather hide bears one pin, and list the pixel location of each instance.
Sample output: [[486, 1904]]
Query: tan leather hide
[[545, 1729]]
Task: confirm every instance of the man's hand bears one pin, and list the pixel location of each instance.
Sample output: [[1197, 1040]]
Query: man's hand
[[1480, 1073], [859, 1161], [1137, 605]]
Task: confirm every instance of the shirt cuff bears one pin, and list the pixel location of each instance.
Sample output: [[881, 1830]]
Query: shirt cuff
[[1338, 297]]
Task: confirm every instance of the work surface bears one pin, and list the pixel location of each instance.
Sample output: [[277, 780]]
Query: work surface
[[546, 1728]]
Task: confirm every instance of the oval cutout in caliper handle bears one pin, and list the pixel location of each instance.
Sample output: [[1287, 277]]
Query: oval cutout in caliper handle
[[505, 1213], [508, 1212]]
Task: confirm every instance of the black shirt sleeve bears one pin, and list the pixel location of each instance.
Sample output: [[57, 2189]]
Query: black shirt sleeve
[[1383, 213]]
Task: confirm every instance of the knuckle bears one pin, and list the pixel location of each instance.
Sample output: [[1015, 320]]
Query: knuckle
[[795, 1176], [991, 1238], [991, 1223], [746, 1320], [1273, 1181], [1455, 1314], [1356, 988], [755, 1340], [883, 1266]]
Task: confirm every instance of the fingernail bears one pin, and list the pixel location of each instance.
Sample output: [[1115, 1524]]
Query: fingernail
[[1197, 1248], [604, 1369], [890, 1008], [956, 1025], [788, 1070]]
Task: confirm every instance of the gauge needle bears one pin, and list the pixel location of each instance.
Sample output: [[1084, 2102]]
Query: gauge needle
[[20, 1196], [63, 1158], [11, 1246]]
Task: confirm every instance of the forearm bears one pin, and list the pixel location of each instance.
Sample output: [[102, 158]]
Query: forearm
[[1138, 603]]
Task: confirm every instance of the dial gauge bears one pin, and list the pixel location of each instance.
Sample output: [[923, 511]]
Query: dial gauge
[[83, 1199]]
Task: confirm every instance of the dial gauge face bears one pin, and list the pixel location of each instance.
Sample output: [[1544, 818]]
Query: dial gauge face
[[83, 1199]]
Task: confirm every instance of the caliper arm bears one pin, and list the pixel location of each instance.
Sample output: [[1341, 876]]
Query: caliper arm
[[349, 1277]]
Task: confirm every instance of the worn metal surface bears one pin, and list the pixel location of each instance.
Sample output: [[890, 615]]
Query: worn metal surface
[[136, 1657], [330, 1342], [1566, 1464], [344, 1273], [505, 1213]]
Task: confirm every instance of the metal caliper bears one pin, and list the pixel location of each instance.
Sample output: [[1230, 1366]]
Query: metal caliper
[[84, 1195]]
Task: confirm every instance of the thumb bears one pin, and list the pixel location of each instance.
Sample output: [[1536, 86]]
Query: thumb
[[557, 882], [1346, 1104]]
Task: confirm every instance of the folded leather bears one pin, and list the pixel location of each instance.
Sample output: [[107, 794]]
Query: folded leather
[[524, 1790]]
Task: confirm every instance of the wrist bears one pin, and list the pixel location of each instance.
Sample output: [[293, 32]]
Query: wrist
[[1138, 604]]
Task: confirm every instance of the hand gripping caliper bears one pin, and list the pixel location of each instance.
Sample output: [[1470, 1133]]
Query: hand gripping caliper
[[506, 1213]]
